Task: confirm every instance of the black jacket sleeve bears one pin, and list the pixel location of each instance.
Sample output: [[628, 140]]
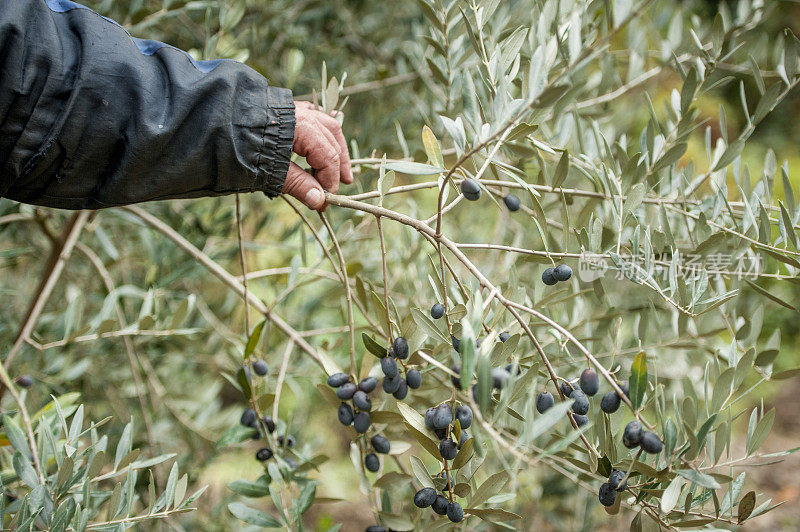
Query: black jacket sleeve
[[91, 117]]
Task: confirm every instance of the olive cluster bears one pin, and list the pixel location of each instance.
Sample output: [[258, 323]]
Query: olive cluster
[[359, 417], [472, 191], [262, 426], [393, 381], [551, 276], [440, 420], [633, 436], [500, 376], [617, 481], [381, 446], [588, 386], [265, 425], [429, 497], [346, 390]]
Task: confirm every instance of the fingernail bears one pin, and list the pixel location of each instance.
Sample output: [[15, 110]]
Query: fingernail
[[313, 197]]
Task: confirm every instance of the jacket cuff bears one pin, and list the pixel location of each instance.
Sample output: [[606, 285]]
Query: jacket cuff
[[276, 142]]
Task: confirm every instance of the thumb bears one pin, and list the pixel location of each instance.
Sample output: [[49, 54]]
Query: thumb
[[302, 186]]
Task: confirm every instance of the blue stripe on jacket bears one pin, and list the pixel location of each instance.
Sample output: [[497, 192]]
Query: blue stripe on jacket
[[146, 46]]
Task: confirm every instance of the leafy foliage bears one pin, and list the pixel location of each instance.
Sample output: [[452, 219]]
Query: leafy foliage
[[87, 489]]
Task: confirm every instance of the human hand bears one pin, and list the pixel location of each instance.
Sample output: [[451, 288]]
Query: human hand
[[318, 137]]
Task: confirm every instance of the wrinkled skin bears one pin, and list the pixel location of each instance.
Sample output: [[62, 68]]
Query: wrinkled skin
[[318, 137]]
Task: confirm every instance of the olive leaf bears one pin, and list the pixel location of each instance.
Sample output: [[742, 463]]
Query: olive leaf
[[746, 506], [253, 339], [638, 379]]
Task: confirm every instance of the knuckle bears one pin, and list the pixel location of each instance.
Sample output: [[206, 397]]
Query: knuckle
[[301, 129], [290, 186]]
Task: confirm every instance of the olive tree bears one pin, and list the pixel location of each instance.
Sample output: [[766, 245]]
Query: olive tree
[[559, 271]]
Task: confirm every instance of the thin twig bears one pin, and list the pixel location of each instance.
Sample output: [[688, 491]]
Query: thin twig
[[347, 293], [330, 258], [26, 421], [243, 264], [385, 282], [230, 280], [281, 376], [133, 360], [139, 518], [369, 86], [128, 332], [58, 259]]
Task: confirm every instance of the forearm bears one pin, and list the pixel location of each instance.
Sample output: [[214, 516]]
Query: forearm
[[91, 118]]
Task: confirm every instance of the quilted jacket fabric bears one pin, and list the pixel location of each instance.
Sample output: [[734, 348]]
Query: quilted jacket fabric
[[91, 117]]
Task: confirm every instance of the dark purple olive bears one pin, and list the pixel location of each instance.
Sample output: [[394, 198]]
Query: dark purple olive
[[372, 462], [454, 512], [248, 418], [562, 272], [413, 379], [345, 414], [632, 435], [440, 505], [264, 454], [464, 416], [471, 189], [389, 366], [424, 497], [346, 390], [337, 379], [650, 443], [610, 403], [607, 495], [512, 202], [361, 422], [589, 382], [400, 348], [581, 403], [380, 444], [544, 402], [443, 416], [368, 384], [402, 389], [617, 480], [260, 367]]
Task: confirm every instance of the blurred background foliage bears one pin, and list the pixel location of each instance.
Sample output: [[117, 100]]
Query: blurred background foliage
[[190, 403]]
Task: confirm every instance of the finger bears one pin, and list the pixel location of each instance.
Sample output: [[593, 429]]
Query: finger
[[345, 170], [344, 157], [310, 106], [302, 185], [304, 104], [333, 125], [322, 154]]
